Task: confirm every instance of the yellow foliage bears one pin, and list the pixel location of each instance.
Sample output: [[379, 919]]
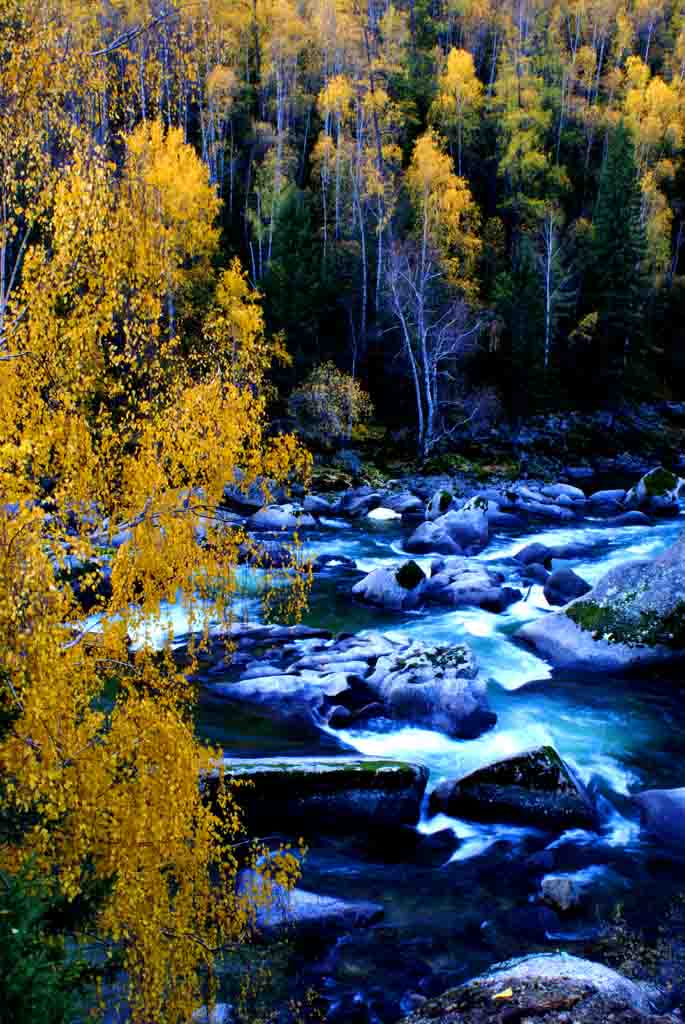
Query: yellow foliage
[[137, 427]]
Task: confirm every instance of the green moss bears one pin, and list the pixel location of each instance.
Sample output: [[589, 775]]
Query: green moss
[[445, 500], [649, 629], [659, 482], [409, 575]]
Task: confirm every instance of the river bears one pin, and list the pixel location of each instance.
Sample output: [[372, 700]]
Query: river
[[468, 898]]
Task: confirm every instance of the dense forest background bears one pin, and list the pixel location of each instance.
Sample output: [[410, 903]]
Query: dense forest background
[[476, 206]]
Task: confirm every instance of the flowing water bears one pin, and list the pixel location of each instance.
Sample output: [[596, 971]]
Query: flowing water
[[467, 897]]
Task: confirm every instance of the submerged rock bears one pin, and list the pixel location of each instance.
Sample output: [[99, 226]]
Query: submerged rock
[[277, 909], [549, 988], [294, 795], [632, 619], [663, 814], [535, 788], [563, 585]]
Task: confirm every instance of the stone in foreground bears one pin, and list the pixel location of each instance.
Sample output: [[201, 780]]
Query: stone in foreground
[[535, 788], [296, 795], [550, 988]]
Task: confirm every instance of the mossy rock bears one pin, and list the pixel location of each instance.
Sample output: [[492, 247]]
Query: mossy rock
[[535, 787], [312, 795], [410, 575]]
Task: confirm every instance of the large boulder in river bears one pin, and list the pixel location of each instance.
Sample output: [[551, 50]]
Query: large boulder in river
[[464, 582], [441, 502], [460, 531], [563, 585], [632, 619], [657, 492], [435, 686], [535, 787], [393, 589], [550, 988], [300, 794], [663, 814]]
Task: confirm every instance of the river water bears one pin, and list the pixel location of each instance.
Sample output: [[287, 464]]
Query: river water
[[468, 896]]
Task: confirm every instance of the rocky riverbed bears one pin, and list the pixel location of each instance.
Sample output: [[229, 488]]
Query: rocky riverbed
[[522, 756]]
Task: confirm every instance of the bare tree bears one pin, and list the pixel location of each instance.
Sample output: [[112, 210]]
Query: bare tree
[[438, 332]]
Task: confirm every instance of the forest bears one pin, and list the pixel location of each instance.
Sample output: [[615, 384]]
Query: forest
[[235, 235]]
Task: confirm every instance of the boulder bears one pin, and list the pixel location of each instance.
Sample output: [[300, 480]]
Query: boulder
[[406, 503], [535, 573], [393, 589], [441, 501], [318, 506], [246, 499], [535, 787], [657, 492], [431, 538], [335, 794], [267, 555], [383, 515], [277, 518], [435, 686], [546, 987], [497, 518], [277, 909], [632, 619], [563, 585], [298, 701], [537, 553], [565, 490], [458, 531], [359, 502], [463, 582], [663, 814], [630, 519]]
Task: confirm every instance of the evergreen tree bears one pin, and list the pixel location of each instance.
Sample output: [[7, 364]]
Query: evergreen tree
[[619, 254]]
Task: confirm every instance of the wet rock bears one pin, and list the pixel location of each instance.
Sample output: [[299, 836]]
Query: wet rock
[[535, 572], [277, 909], [463, 582], [630, 519], [359, 502], [333, 794], [276, 518], [222, 1013], [579, 472], [382, 514], [440, 503], [657, 492], [663, 814], [534, 788], [551, 988], [393, 589], [459, 531], [318, 506], [266, 555], [563, 585], [537, 553], [298, 701], [406, 503], [632, 619], [607, 502], [246, 499], [435, 686], [333, 561], [565, 490]]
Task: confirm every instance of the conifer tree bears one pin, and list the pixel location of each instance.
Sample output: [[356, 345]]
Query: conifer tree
[[619, 254]]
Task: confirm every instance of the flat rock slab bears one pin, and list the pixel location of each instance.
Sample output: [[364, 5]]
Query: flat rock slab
[[297, 795], [545, 989]]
